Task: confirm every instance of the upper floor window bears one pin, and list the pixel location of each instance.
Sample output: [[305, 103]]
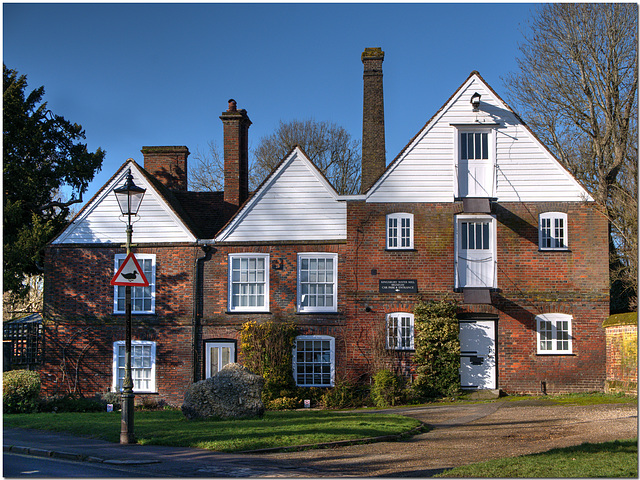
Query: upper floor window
[[249, 282], [143, 365], [143, 299], [475, 165], [554, 333], [400, 231], [400, 331], [314, 361], [552, 231], [317, 282]]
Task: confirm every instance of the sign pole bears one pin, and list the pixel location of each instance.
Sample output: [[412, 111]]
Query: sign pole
[[126, 431]]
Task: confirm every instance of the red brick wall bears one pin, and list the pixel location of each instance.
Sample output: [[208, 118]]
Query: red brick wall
[[622, 358], [80, 326], [530, 282], [79, 300]]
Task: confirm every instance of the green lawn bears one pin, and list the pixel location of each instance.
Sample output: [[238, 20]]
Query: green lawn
[[609, 459], [275, 429]]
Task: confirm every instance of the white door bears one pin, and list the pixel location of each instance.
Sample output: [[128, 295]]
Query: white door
[[217, 355], [475, 252], [478, 354], [475, 166]]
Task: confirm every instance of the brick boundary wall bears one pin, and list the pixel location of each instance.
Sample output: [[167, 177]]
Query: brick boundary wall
[[621, 332]]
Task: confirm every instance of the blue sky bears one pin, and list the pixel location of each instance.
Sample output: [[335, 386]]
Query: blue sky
[[147, 74]]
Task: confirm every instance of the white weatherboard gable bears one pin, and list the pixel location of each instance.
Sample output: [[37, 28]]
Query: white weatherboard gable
[[102, 222], [524, 169], [295, 203]]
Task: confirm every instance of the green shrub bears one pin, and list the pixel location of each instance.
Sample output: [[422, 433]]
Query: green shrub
[[345, 395], [113, 398], [437, 349], [387, 389], [283, 403], [71, 403], [20, 391]]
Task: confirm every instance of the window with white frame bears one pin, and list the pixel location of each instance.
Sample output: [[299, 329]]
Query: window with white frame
[[399, 231], [552, 232], [317, 282], [554, 333], [249, 282], [314, 361], [143, 299], [400, 331], [143, 365]]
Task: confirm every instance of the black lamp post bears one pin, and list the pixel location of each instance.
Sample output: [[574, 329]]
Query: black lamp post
[[129, 198]]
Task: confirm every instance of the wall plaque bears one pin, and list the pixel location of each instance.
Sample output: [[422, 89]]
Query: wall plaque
[[398, 286]]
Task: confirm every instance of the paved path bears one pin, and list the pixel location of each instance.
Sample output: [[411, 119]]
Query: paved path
[[462, 434]]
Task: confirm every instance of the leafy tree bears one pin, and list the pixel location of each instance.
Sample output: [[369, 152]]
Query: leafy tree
[[329, 146], [577, 89], [42, 153]]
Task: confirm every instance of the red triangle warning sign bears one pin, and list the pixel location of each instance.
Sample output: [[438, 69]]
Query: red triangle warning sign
[[130, 274]]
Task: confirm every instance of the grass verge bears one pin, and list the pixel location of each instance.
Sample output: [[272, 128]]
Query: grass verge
[[617, 459], [275, 429]]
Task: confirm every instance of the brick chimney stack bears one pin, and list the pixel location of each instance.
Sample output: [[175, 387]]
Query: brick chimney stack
[[373, 146], [168, 165], [236, 154]]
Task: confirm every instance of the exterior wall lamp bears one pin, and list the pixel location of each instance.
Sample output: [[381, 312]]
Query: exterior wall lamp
[[475, 101], [129, 198]]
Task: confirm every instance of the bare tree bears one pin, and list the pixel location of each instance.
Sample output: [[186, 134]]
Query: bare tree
[[329, 146], [577, 89], [206, 173]]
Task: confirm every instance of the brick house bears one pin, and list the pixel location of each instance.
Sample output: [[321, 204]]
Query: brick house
[[474, 208]]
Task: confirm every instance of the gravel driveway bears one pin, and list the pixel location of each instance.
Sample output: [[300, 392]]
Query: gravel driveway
[[464, 434]]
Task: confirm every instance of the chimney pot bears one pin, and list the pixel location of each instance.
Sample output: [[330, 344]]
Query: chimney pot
[[232, 105]]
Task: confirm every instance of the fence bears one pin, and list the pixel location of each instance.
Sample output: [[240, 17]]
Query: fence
[[23, 344]]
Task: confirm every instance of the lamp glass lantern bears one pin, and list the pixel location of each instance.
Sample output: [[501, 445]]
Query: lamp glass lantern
[[129, 196]]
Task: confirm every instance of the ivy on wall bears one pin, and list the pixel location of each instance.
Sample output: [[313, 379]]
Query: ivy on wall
[[437, 344], [267, 350]]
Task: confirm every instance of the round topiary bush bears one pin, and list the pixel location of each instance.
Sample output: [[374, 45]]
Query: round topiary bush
[[20, 391]]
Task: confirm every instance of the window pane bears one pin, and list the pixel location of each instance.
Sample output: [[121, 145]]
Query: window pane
[[470, 150], [478, 152], [485, 146], [463, 146]]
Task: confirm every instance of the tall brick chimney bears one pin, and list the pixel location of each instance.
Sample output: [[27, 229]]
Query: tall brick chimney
[[373, 149], [236, 154], [168, 165]]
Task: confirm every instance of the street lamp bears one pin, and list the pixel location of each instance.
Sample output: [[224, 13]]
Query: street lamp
[[129, 198]]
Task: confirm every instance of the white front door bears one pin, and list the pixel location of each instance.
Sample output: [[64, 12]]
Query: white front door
[[478, 354], [217, 355], [475, 252]]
